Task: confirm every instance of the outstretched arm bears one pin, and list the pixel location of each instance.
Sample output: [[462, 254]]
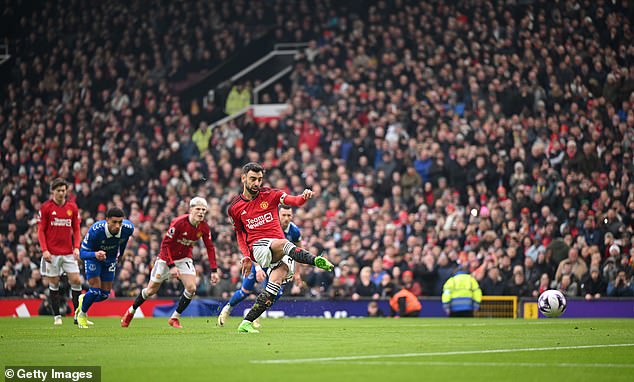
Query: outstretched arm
[[298, 200]]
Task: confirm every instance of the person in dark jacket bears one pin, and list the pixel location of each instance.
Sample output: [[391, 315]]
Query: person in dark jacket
[[621, 286], [593, 285], [517, 286], [493, 285]]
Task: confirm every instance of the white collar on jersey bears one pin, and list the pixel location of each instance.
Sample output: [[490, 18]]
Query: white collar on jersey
[[109, 235], [288, 228]]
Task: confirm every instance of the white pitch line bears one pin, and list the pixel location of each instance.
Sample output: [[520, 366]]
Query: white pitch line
[[460, 325], [489, 364], [375, 356]]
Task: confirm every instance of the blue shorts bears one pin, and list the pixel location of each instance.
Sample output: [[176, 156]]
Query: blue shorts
[[103, 269]]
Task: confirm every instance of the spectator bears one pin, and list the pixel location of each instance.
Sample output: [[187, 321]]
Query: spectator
[[444, 270], [576, 265], [427, 273], [228, 283], [338, 289], [568, 286], [593, 286], [517, 286], [364, 287], [493, 284], [374, 310], [377, 272], [387, 287], [531, 273], [410, 284], [11, 287], [620, 287], [542, 285]]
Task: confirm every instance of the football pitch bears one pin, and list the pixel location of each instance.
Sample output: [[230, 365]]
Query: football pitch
[[302, 349]]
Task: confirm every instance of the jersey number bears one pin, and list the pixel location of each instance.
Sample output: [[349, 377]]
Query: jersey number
[[112, 267]]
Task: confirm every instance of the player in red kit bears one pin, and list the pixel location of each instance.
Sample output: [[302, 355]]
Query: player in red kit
[[58, 233], [175, 260], [260, 237]]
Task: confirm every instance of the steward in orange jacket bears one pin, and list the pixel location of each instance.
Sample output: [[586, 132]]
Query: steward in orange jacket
[[405, 304]]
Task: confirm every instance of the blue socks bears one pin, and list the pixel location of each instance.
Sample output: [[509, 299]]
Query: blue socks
[[93, 295], [238, 296]]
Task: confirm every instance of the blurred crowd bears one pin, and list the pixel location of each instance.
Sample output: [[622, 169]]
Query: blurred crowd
[[496, 136]]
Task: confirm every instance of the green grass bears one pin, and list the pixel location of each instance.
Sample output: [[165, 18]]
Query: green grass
[[396, 349]]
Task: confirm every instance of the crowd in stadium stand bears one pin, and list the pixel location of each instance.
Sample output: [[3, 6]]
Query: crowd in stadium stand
[[495, 137]]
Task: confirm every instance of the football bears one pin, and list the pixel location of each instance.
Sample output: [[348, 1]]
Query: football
[[552, 303]]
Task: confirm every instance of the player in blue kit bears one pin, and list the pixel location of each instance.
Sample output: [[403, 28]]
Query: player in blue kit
[[292, 233], [102, 245]]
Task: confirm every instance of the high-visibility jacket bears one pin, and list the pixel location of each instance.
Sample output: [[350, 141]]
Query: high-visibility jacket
[[461, 293], [237, 100], [411, 301]]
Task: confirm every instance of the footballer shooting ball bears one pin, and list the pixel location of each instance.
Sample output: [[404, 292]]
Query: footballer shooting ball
[[552, 303]]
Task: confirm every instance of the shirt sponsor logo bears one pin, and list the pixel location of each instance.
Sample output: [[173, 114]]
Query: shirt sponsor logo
[[185, 242], [260, 220], [57, 222]]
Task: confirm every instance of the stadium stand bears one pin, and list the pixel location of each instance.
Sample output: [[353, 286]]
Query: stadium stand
[[497, 134]]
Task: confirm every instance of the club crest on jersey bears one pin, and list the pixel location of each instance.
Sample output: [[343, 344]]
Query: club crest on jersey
[[69, 212], [264, 205], [199, 235]]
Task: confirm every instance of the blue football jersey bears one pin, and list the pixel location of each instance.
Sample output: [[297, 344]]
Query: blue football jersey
[[99, 238], [292, 233]]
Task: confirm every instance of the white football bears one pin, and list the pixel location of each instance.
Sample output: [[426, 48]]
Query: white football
[[552, 303]]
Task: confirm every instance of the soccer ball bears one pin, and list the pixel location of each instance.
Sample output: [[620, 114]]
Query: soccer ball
[[552, 303]]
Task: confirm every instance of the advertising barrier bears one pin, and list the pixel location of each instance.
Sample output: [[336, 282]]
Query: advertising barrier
[[432, 307], [113, 307]]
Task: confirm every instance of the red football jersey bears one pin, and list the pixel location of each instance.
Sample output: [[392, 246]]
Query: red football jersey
[[181, 237], [58, 227], [256, 219]]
